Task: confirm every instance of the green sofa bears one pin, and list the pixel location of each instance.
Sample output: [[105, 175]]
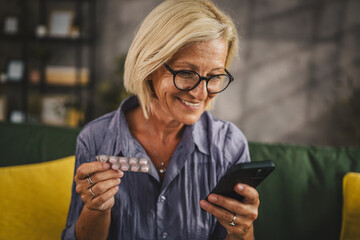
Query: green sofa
[[33, 143], [301, 199]]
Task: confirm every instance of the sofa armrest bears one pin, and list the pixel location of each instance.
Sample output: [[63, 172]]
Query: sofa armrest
[[350, 229], [35, 199]]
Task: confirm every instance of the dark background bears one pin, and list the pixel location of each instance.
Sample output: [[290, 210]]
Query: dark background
[[297, 74]]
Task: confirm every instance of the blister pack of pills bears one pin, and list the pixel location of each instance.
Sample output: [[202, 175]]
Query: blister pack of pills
[[126, 164]]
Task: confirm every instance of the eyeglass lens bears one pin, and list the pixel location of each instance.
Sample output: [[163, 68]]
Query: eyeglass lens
[[187, 80]]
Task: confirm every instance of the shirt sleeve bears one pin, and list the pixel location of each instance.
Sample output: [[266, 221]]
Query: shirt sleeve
[[76, 204], [236, 148], [232, 147]]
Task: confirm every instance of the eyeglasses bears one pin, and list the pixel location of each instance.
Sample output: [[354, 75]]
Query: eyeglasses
[[187, 80]]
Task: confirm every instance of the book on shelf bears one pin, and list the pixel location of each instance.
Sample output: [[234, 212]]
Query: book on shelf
[[68, 76]]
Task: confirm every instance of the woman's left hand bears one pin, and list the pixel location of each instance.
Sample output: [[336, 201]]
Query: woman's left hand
[[224, 209]]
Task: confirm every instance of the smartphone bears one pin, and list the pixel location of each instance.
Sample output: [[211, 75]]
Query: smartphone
[[251, 173]]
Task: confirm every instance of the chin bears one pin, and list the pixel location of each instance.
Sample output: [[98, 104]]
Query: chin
[[189, 120]]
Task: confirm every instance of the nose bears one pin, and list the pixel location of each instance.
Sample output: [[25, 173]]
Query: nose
[[200, 92]]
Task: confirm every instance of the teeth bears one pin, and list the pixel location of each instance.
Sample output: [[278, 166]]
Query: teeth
[[190, 104]]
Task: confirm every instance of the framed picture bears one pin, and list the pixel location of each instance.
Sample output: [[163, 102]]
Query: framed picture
[[15, 70], [60, 23], [54, 109], [11, 25], [2, 108]]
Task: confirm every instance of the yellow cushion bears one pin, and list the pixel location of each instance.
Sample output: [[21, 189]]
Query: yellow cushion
[[34, 199], [351, 207]]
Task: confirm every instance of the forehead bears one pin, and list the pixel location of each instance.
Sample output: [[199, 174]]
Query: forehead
[[212, 52]]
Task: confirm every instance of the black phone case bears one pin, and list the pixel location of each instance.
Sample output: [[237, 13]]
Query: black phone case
[[252, 174]]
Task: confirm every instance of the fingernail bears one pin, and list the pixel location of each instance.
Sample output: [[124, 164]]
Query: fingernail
[[240, 187], [203, 204], [120, 173], [106, 165], [213, 198]]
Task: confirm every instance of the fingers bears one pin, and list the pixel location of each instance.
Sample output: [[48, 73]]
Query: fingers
[[251, 200], [101, 187], [97, 183], [224, 208], [87, 169], [104, 195], [242, 223], [217, 203], [250, 194], [104, 201], [102, 176]]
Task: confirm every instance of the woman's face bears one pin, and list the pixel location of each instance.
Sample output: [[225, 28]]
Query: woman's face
[[206, 58]]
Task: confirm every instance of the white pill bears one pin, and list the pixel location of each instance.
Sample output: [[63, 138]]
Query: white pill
[[113, 159], [115, 166], [145, 168], [125, 167], [133, 160], [134, 167], [103, 158], [123, 160], [143, 161]]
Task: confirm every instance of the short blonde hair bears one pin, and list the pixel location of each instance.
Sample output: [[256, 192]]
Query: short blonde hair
[[168, 28]]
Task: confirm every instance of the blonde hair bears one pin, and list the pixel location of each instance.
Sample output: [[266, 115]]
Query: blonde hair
[[168, 28]]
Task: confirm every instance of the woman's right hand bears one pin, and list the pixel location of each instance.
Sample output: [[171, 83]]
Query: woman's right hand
[[103, 183]]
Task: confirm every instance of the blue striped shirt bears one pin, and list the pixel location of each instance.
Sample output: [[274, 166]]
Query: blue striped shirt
[[147, 208]]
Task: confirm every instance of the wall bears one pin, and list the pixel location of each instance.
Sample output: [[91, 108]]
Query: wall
[[297, 71]]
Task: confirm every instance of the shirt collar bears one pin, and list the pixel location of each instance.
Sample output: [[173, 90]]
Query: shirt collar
[[200, 131]]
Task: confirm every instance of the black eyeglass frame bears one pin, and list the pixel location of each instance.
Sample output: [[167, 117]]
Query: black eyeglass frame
[[174, 73]]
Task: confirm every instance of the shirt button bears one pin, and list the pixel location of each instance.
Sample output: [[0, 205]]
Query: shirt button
[[164, 235], [163, 198]]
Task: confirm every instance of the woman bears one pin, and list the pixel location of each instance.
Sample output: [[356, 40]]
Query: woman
[[175, 67]]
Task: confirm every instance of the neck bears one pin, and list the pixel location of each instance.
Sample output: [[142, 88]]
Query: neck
[[162, 124], [163, 129], [159, 136]]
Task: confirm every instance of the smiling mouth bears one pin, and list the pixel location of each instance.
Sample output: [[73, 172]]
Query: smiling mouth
[[189, 103]]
